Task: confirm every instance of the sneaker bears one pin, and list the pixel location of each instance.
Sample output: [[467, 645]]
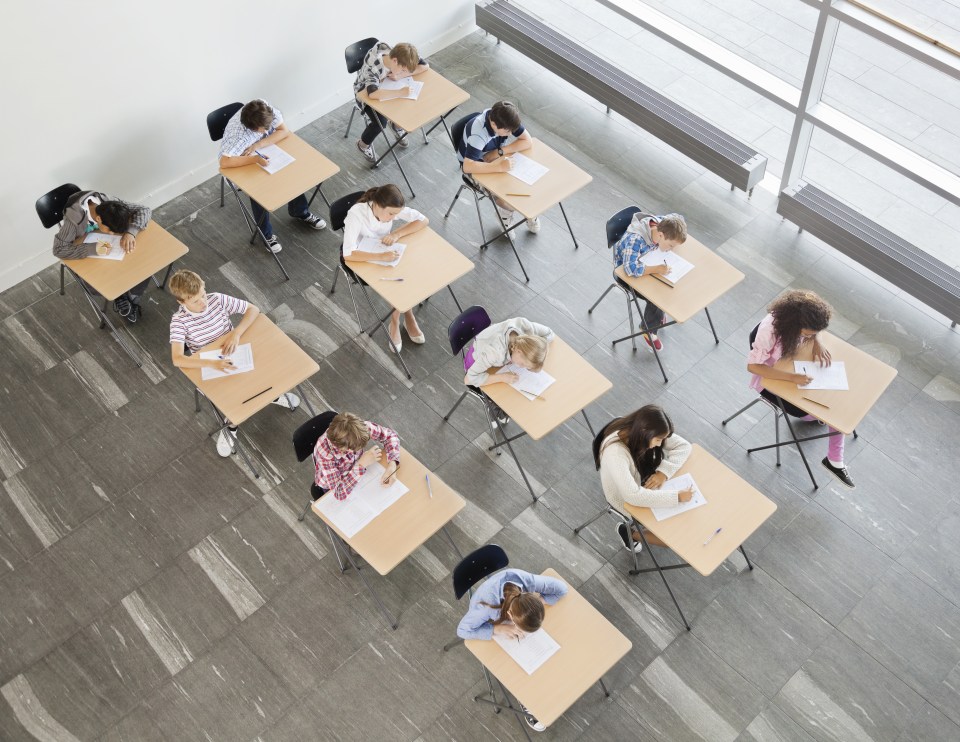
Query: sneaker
[[225, 443], [312, 220], [622, 532], [840, 472], [655, 343], [532, 721], [135, 312], [402, 141], [289, 400], [367, 151], [505, 214], [121, 306], [533, 225], [273, 244]]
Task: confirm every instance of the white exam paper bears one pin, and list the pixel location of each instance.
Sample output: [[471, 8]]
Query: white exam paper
[[526, 170], [116, 252], [367, 500], [415, 87], [278, 158], [242, 358], [531, 384], [531, 650], [683, 482], [679, 267], [833, 376], [372, 244]]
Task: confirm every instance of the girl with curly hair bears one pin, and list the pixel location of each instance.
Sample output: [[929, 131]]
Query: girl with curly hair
[[794, 320]]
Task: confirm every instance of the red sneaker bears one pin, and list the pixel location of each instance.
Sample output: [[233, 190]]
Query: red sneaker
[[655, 343]]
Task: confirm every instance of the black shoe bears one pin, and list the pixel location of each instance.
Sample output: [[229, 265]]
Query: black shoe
[[840, 472], [121, 305], [135, 313], [622, 530]]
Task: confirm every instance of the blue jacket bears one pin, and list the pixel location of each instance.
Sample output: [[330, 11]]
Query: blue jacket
[[478, 623]]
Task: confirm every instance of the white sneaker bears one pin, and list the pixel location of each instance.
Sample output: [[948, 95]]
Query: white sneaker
[[400, 133], [367, 151], [225, 444], [289, 400], [533, 225], [622, 532], [273, 244], [532, 721], [505, 214]]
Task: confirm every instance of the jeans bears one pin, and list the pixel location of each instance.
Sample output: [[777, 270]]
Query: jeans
[[653, 315], [370, 133], [834, 442], [296, 208]]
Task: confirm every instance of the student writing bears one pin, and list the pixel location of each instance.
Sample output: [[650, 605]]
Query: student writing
[[340, 460]]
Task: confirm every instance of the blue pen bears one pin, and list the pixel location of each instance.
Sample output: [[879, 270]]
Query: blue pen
[[260, 154], [429, 488], [711, 536]]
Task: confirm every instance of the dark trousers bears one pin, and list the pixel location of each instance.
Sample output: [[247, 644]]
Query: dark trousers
[[133, 295], [791, 409], [370, 133], [653, 315], [297, 209]]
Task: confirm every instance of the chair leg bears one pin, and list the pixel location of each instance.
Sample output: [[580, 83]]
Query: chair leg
[[62, 267], [304, 513], [584, 525], [336, 277], [353, 112], [355, 307], [476, 203], [453, 409], [602, 296], [633, 336], [449, 645], [454, 202], [222, 182], [740, 411]]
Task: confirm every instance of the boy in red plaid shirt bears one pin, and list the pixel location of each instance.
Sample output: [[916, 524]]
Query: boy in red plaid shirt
[[339, 457]]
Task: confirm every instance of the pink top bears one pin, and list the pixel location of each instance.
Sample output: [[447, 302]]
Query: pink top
[[766, 349]]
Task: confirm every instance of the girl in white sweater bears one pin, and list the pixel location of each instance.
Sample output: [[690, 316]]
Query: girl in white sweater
[[637, 454]]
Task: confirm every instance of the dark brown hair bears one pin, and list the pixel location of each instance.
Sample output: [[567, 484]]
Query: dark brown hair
[[527, 608], [636, 431], [504, 115], [115, 216], [257, 114], [385, 196], [795, 311]]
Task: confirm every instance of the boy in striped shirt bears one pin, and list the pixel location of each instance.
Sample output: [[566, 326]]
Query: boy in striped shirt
[[202, 319]]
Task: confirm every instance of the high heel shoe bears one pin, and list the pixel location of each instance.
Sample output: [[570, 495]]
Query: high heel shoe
[[418, 339], [395, 346]]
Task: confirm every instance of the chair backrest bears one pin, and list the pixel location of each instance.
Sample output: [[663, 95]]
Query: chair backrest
[[465, 327], [339, 209], [50, 205], [595, 447], [217, 120], [477, 565], [753, 335], [354, 54], [457, 131], [306, 436], [618, 223]]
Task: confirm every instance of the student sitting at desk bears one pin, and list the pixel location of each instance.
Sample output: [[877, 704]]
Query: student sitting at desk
[[644, 234], [339, 459], [256, 125], [384, 63], [489, 138], [373, 216], [88, 212], [202, 319], [790, 330], [510, 603], [637, 454]]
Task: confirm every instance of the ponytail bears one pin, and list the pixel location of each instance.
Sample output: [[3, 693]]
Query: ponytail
[[385, 196]]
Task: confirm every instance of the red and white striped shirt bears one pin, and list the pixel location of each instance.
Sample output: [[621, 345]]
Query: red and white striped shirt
[[336, 469], [196, 330]]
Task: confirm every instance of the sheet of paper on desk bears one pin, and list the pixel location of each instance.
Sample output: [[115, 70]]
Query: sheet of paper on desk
[[526, 170], [279, 158], [833, 376], [531, 384], [679, 267], [683, 482], [372, 244], [531, 651], [113, 240], [242, 358], [415, 87], [367, 500]]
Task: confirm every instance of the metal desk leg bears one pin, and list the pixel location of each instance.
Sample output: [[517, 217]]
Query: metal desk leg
[[254, 227], [584, 413], [645, 331], [450, 289], [336, 551], [452, 543], [224, 425], [105, 320], [390, 619], [319, 190], [62, 268], [569, 228], [520, 714], [306, 401], [712, 329], [662, 575], [390, 150], [512, 453]]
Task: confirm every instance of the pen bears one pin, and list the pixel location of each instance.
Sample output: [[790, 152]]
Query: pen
[[260, 154], [429, 488], [258, 394], [711, 536], [816, 402], [391, 279]]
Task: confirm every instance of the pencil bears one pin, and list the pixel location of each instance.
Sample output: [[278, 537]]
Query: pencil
[[816, 402], [518, 194]]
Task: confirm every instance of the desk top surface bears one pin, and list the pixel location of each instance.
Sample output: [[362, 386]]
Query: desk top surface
[[403, 527], [309, 169], [279, 364], [589, 646], [156, 249], [577, 385], [438, 96], [733, 504]]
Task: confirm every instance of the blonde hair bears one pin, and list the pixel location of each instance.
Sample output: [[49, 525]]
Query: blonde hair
[[185, 284], [531, 347], [673, 227], [406, 56], [348, 431]]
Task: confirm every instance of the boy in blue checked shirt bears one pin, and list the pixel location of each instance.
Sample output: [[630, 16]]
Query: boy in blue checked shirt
[[644, 234]]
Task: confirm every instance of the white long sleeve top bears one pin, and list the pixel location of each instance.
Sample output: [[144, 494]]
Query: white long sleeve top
[[621, 480]]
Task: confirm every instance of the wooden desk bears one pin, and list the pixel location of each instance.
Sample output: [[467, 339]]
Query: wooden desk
[[156, 249], [732, 504], [589, 646], [403, 527], [429, 264], [868, 378], [563, 180], [577, 385], [278, 363]]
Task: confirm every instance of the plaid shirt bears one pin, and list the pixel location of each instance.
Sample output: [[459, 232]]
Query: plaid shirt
[[337, 470], [630, 248], [373, 70], [237, 137]]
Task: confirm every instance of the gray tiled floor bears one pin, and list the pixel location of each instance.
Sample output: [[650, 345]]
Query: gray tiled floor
[[153, 591]]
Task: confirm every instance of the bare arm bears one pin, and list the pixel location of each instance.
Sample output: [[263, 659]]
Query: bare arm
[[497, 165], [520, 144], [769, 372]]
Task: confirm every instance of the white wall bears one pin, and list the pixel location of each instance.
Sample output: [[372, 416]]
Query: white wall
[[113, 94]]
